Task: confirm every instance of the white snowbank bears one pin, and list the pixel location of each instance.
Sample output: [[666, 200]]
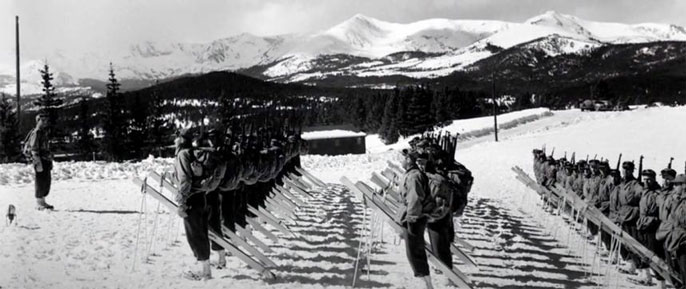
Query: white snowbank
[[334, 133]]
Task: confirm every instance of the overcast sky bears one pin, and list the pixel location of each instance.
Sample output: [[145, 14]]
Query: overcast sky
[[82, 25]]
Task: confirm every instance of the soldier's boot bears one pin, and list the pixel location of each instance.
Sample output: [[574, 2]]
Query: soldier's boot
[[42, 205], [221, 261], [427, 282]]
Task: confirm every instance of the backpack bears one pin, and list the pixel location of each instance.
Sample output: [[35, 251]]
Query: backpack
[[26, 149], [462, 179], [207, 167], [441, 195]]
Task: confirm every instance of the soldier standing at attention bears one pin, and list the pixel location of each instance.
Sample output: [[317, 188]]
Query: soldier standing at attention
[[39, 144], [414, 191]]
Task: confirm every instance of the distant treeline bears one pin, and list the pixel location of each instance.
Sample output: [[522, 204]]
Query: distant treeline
[[134, 124]]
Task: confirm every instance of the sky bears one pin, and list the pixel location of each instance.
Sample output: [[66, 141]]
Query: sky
[[88, 25]]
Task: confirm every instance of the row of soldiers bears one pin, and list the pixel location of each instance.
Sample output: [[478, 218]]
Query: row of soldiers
[[219, 174], [652, 213]]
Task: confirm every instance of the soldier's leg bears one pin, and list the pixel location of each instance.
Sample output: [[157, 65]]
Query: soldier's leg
[[414, 247], [196, 226], [242, 204], [228, 209], [214, 218], [441, 236]]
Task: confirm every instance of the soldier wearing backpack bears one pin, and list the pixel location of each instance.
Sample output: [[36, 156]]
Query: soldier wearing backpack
[[440, 224], [37, 150], [414, 192], [195, 176]]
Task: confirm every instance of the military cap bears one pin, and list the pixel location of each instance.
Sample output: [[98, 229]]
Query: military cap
[[614, 172], [680, 179], [412, 154], [628, 165], [537, 151], [184, 133], [648, 173], [668, 173]]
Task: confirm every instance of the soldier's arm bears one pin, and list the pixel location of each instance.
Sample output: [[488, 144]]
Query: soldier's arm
[[415, 193], [34, 142], [184, 177]]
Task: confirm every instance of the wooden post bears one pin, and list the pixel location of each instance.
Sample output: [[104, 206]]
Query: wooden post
[[495, 105], [18, 78]]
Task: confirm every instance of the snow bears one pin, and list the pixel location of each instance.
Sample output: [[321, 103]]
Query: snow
[[458, 43], [334, 133], [89, 242]]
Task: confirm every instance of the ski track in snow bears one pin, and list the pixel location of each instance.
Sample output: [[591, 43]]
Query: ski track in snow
[[89, 242]]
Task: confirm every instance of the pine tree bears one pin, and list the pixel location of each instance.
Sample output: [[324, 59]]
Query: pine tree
[[113, 122], [85, 143], [48, 102], [419, 118], [389, 127], [402, 121], [138, 127], [159, 128], [440, 109], [375, 113], [359, 113], [10, 150]]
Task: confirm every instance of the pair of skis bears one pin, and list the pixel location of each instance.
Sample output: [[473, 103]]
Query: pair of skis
[[239, 245], [375, 202]]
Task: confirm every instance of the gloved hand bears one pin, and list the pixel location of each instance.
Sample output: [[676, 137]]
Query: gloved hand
[[38, 165], [181, 210]]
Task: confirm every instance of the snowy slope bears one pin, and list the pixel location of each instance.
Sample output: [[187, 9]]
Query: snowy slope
[[90, 241], [449, 44]]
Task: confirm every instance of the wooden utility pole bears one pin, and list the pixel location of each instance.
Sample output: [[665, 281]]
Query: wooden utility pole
[[18, 78], [495, 105]]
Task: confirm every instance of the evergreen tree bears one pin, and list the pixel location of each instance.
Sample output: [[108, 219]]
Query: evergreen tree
[[113, 122], [85, 143], [138, 127], [419, 111], [440, 109], [48, 102], [159, 128], [10, 143], [389, 128], [375, 113], [402, 121], [358, 114]]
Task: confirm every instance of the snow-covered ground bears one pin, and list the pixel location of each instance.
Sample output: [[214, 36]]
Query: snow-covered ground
[[90, 240]]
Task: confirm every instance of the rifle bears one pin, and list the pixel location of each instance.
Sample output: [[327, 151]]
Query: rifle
[[669, 166], [573, 160], [640, 169], [565, 156], [595, 157], [587, 158], [619, 161], [552, 152]]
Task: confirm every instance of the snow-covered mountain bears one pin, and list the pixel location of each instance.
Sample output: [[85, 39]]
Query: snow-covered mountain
[[360, 46]]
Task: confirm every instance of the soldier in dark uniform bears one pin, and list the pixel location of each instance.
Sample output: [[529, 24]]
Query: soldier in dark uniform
[[629, 198], [39, 142], [413, 191], [648, 221]]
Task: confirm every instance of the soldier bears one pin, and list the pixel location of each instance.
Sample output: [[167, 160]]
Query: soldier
[[629, 198], [192, 206], [39, 144], [591, 193], [666, 202], [608, 189], [675, 242], [648, 221], [578, 185], [441, 232], [414, 191]]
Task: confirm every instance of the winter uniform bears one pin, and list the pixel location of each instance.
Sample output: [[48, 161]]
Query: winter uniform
[[413, 191], [648, 220], [41, 156]]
